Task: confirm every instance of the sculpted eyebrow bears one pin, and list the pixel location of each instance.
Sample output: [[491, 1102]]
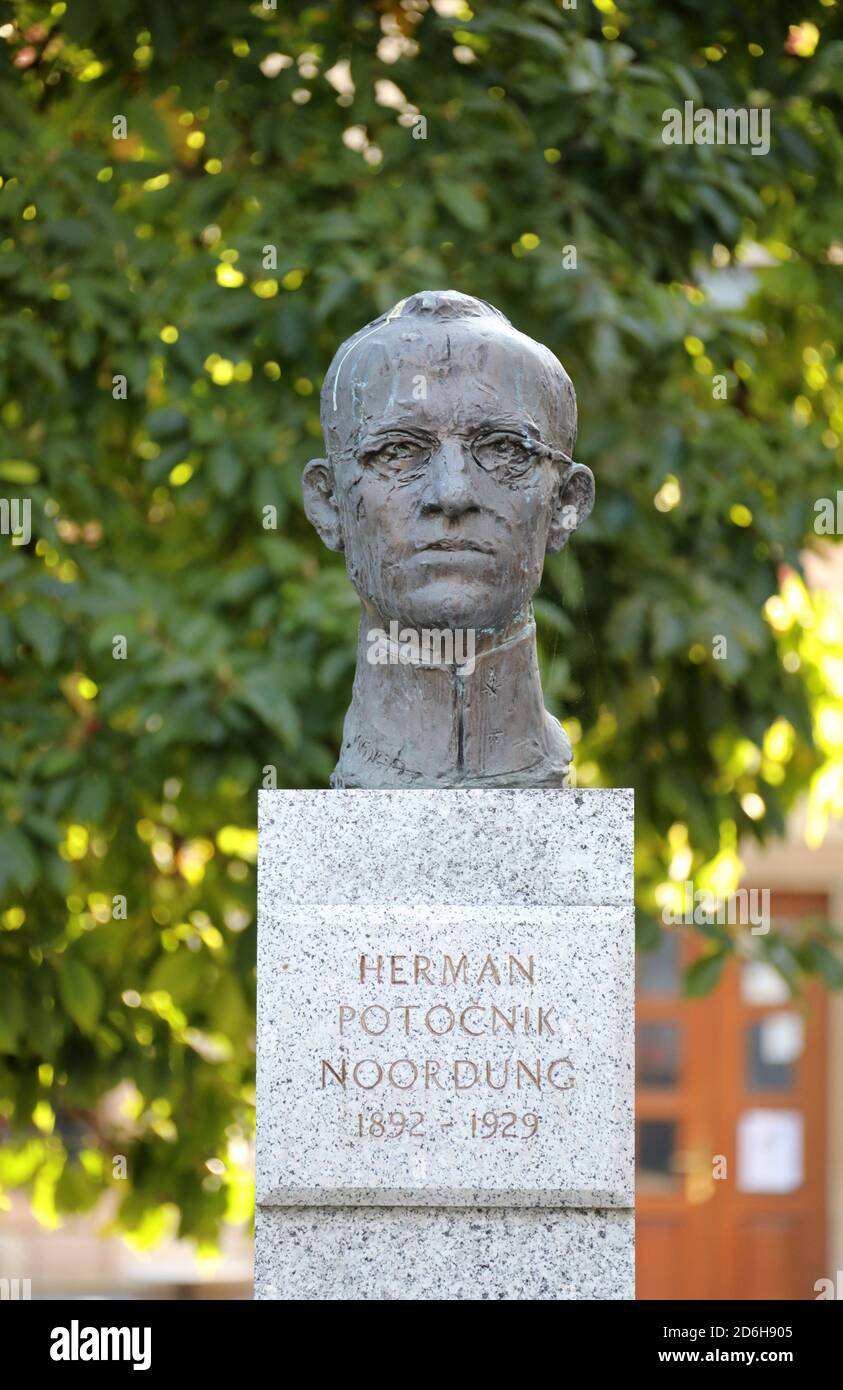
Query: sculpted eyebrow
[[386, 432], [506, 422]]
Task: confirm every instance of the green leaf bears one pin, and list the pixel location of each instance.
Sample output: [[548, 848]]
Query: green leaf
[[225, 470], [12, 1010], [507, 23], [463, 204], [80, 992], [76, 1190], [261, 691], [704, 974], [19, 471], [42, 630], [18, 862], [828, 966], [33, 348], [166, 423]]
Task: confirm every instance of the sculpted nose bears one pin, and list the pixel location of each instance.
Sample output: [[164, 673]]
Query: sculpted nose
[[450, 483]]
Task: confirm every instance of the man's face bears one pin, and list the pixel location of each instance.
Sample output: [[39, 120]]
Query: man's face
[[448, 487]]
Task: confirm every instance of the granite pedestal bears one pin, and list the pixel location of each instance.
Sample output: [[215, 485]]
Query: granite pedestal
[[445, 1045]]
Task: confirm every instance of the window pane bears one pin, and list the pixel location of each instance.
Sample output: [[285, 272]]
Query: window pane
[[773, 1045], [657, 1054], [657, 1158], [658, 971]]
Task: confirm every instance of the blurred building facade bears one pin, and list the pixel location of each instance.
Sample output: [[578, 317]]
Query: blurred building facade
[[740, 1095]]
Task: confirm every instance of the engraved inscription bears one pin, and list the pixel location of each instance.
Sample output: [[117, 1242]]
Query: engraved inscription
[[447, 1015], [394, 1124], [405, 970]]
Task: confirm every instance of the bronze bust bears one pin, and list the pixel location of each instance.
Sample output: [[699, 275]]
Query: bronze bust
[[448, 478]]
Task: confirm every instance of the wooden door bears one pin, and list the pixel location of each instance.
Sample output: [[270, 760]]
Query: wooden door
[[731, 1128]]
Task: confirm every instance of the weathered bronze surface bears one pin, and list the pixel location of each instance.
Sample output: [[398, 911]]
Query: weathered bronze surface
[[448, 478]]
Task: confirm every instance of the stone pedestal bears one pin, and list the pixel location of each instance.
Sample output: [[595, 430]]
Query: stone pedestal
[[445, 1045]]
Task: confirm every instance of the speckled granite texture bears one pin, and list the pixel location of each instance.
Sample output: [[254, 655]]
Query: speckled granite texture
[[418, 1253], [544, 1033], [473, 848], [445, 1021]]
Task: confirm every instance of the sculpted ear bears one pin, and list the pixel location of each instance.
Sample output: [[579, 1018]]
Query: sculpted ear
[[574, 500], [320, 503]]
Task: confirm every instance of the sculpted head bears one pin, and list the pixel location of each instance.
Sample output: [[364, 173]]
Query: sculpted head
[[449, 473]]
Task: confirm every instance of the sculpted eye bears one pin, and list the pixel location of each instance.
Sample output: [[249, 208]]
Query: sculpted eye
[[396, 455], [506, 454]]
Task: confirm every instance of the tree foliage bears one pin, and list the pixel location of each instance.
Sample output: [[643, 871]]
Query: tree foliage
[[160, 378]]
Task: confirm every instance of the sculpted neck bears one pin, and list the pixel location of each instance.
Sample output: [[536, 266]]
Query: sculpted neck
[[420, 718]]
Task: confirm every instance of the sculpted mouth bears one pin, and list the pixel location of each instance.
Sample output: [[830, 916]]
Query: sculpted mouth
[[459, 543]]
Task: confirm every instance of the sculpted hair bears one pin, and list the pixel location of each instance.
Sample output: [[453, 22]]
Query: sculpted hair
[[442, 306]]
